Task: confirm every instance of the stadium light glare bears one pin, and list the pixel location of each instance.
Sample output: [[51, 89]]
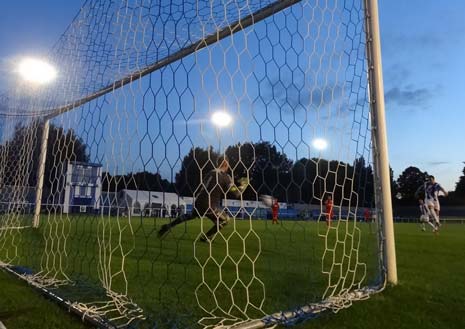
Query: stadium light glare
[[221, 119], [320, 144], [36, 71]]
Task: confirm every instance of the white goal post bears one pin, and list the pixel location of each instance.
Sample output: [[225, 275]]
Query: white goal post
[[381, 157]]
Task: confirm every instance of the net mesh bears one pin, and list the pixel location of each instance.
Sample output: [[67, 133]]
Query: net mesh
[[139, 222]]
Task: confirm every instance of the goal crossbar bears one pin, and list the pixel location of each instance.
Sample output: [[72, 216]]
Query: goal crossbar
[[227, 31]]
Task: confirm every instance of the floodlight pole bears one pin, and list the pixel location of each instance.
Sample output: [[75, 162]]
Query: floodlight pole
[[379, 139], [41, 173]]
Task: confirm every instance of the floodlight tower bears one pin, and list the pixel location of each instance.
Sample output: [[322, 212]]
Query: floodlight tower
[[37, 72]]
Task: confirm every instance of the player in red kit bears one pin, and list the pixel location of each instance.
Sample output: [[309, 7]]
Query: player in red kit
[[367, 215], [329, 209], [274, 211]]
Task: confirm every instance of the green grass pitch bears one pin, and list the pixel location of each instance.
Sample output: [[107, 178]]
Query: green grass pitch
[[163, 274]]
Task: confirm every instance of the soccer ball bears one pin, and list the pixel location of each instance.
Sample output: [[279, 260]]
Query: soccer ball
[[424, 219], [267, 200]]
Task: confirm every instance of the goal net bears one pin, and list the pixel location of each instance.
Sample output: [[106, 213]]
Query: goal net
[[196, 164]]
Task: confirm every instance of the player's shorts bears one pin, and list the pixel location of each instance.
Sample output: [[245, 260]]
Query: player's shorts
[[431, 203]]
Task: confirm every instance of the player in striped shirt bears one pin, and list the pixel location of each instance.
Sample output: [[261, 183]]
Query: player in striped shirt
[[425, 216], [432, 189]]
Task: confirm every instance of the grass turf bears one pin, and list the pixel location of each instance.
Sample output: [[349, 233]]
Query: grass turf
[[430, 271], [431, 289], [21, 307]]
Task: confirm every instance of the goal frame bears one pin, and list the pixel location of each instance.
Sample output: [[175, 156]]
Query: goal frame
[[379, 143]]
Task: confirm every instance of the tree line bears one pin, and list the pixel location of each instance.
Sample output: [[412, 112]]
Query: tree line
[[269, 170]]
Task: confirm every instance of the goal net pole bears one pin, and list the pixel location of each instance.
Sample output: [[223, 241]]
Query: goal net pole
[[41, 172], [379, 137]]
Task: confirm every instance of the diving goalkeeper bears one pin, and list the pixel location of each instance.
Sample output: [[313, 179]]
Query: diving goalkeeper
[[216, 184]]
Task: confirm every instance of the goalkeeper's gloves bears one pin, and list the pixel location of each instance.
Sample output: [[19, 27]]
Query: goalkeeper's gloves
[[241, 186], [243, 183]]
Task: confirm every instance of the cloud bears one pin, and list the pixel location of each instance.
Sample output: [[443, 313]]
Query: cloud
[[426, 40], [292, 94], [408, 96], [437, 163], [395, 44]]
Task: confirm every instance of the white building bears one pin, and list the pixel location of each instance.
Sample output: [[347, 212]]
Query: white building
[[83, 187], [151, 203], [230, 203], [166, 204]]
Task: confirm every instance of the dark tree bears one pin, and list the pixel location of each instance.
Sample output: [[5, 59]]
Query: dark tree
[[313, 178], [22, 153], [145, 181], [272, 172], [198, 161], [409, 181], [303, 174], [460, 186], [269, 170], [363, 183], [394, 185]]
